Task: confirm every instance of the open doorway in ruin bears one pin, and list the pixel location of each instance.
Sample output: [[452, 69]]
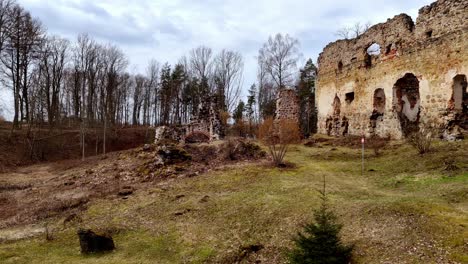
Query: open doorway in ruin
[[459, 100], [378, 108], [333, 121], [458, 108], [406, 102], [336, 106]]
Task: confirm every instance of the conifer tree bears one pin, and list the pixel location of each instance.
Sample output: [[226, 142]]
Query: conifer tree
[[320, 242], [306, 94]]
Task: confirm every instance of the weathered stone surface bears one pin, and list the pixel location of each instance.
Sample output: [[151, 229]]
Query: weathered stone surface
[[91, 242], [169, 133], [198, 137], [208, 120], [287, 105], [172, 154], [418, 77]]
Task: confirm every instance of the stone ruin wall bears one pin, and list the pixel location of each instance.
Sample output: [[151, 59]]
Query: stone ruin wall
[[287, 106], [208, 120], [362, 94]]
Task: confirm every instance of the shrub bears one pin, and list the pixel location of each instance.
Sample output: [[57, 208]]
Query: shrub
[[421, 140], [238, 149], [320, 243], [377, 144], [240, 128], [197, 137], [277, 136]]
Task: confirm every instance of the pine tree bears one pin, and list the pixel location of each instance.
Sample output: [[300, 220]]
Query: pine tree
[[251, 101], [238, 114], [320, 243], [306, 94]]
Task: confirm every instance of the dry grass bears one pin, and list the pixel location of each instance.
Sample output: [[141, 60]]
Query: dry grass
[[404, 209]]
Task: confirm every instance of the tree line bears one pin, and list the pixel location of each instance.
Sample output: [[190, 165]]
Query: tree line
[[57, 82], [54, 80]]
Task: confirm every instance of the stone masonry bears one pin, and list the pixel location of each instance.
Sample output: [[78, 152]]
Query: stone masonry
[[398, 75], [287, 106], [208, 120]]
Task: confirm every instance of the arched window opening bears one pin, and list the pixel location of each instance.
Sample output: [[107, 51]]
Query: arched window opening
[[429, 33], [372, 51], [379, 101], [349, 97], [388, 49], [336, 106], [340, 67], [378, 109], [459, 100]]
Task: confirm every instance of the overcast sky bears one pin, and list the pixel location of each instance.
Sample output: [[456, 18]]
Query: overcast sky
[[167, 29]]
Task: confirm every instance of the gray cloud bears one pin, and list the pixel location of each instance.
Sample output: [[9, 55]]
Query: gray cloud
[[166, 30]]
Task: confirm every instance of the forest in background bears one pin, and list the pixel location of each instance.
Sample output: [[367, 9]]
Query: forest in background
[[85, 85]]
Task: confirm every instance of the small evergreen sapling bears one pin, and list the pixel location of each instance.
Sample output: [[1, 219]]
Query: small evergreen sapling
[[320, 243]]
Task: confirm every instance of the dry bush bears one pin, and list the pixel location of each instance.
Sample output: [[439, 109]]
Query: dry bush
[[238, 149], [421, 140], [197, 137], [253, 129], [377, 144], [224, 116], [240, 128], [202, 153], [277, 136]]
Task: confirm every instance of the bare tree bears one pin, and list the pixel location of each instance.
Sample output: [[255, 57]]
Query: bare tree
[[353, 31], [20, 49], [228, 71], [201, 62], [51, 68], [279, 56], [82, 62], [152, 73], [115, 64], [5, 21], [139, 83], [266, 91]]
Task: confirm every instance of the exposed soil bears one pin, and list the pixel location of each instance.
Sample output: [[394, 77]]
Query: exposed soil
[[62, 189]]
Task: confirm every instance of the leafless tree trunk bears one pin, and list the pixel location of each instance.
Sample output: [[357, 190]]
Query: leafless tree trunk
[[353, 31], [228, 78], [201, 62], [81, 57], [152, 72], [5, 21], [279, 56], [52, 68]]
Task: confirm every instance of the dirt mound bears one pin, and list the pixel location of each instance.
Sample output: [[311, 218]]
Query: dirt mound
[[197, 137], [234, 149], [241, 149]]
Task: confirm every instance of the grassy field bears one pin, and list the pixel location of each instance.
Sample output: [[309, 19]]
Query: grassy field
[[405, 208]]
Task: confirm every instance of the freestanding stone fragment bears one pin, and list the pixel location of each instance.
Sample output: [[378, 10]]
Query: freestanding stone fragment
[[91, 242], [287, 105]]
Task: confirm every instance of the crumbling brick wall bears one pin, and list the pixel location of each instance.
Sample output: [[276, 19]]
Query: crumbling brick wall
[[410, 82]]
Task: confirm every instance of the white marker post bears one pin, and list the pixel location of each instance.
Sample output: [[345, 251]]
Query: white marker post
[[363, 140]]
